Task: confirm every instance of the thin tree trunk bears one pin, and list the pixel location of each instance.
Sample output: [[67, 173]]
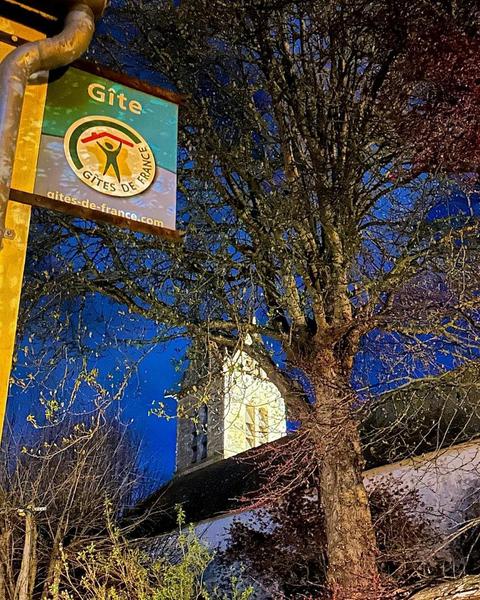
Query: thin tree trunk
[[351, 544], [7, 584], [28, 568], [52, 586], [52, 580]]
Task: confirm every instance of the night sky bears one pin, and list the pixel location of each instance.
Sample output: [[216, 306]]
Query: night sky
[[154, 376], [155, 369]]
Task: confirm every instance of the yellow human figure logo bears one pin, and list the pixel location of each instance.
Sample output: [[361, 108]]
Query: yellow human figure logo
[[111, 156]]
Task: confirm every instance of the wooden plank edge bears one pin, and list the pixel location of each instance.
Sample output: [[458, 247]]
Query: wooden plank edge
[[172, 235]]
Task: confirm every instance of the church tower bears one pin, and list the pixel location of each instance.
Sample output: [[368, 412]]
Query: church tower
[[239, 409]]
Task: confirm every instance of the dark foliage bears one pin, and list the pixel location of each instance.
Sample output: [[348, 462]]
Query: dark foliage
[[440, 73], [285, 547]]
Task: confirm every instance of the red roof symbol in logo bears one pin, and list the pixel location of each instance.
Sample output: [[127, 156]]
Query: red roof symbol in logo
[[101, 134]]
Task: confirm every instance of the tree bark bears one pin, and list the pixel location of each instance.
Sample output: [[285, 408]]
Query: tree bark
[[7, 580], [52, 580], [52, 586], [466, 588], [28, 568], [351, 544]]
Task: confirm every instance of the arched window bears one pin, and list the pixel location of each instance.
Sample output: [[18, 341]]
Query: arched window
[[250, 426], [194, 444], [199, 445], [262, 425], [203, 416]]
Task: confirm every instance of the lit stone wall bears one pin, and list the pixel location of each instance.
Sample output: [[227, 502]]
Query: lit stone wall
[[239, 394], [247, 389], [189, 409], [446, 481]]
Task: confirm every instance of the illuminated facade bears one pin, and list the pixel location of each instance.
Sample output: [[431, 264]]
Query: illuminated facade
[[239, 409]]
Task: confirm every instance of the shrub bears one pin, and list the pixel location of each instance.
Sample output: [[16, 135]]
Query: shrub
[[118, 569], [284, 546]]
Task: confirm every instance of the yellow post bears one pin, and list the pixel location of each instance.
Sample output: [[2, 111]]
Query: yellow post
[[12, 257]]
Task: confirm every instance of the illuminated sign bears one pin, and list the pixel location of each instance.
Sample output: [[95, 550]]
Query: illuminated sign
[[108, 152]]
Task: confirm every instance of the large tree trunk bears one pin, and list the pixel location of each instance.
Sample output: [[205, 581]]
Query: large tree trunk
[[351, 544]]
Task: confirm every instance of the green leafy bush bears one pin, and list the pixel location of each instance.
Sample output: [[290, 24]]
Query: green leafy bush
[[116, 569]]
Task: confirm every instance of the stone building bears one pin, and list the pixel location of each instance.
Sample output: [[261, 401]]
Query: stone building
[[236, 408]]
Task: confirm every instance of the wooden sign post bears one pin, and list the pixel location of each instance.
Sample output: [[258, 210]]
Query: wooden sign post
[[91, 142], [12, 256]]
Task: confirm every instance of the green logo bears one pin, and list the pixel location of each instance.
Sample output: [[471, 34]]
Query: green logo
[[109, 156]]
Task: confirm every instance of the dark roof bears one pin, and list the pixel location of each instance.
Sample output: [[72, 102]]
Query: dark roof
[[423, 416], [209, 491], [206, 492]]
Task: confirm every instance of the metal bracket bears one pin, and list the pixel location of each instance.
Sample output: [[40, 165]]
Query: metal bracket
[[7, 234]]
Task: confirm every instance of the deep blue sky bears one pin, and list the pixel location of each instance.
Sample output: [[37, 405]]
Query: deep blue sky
[[154, 369], [155, 374], [153, 377]]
